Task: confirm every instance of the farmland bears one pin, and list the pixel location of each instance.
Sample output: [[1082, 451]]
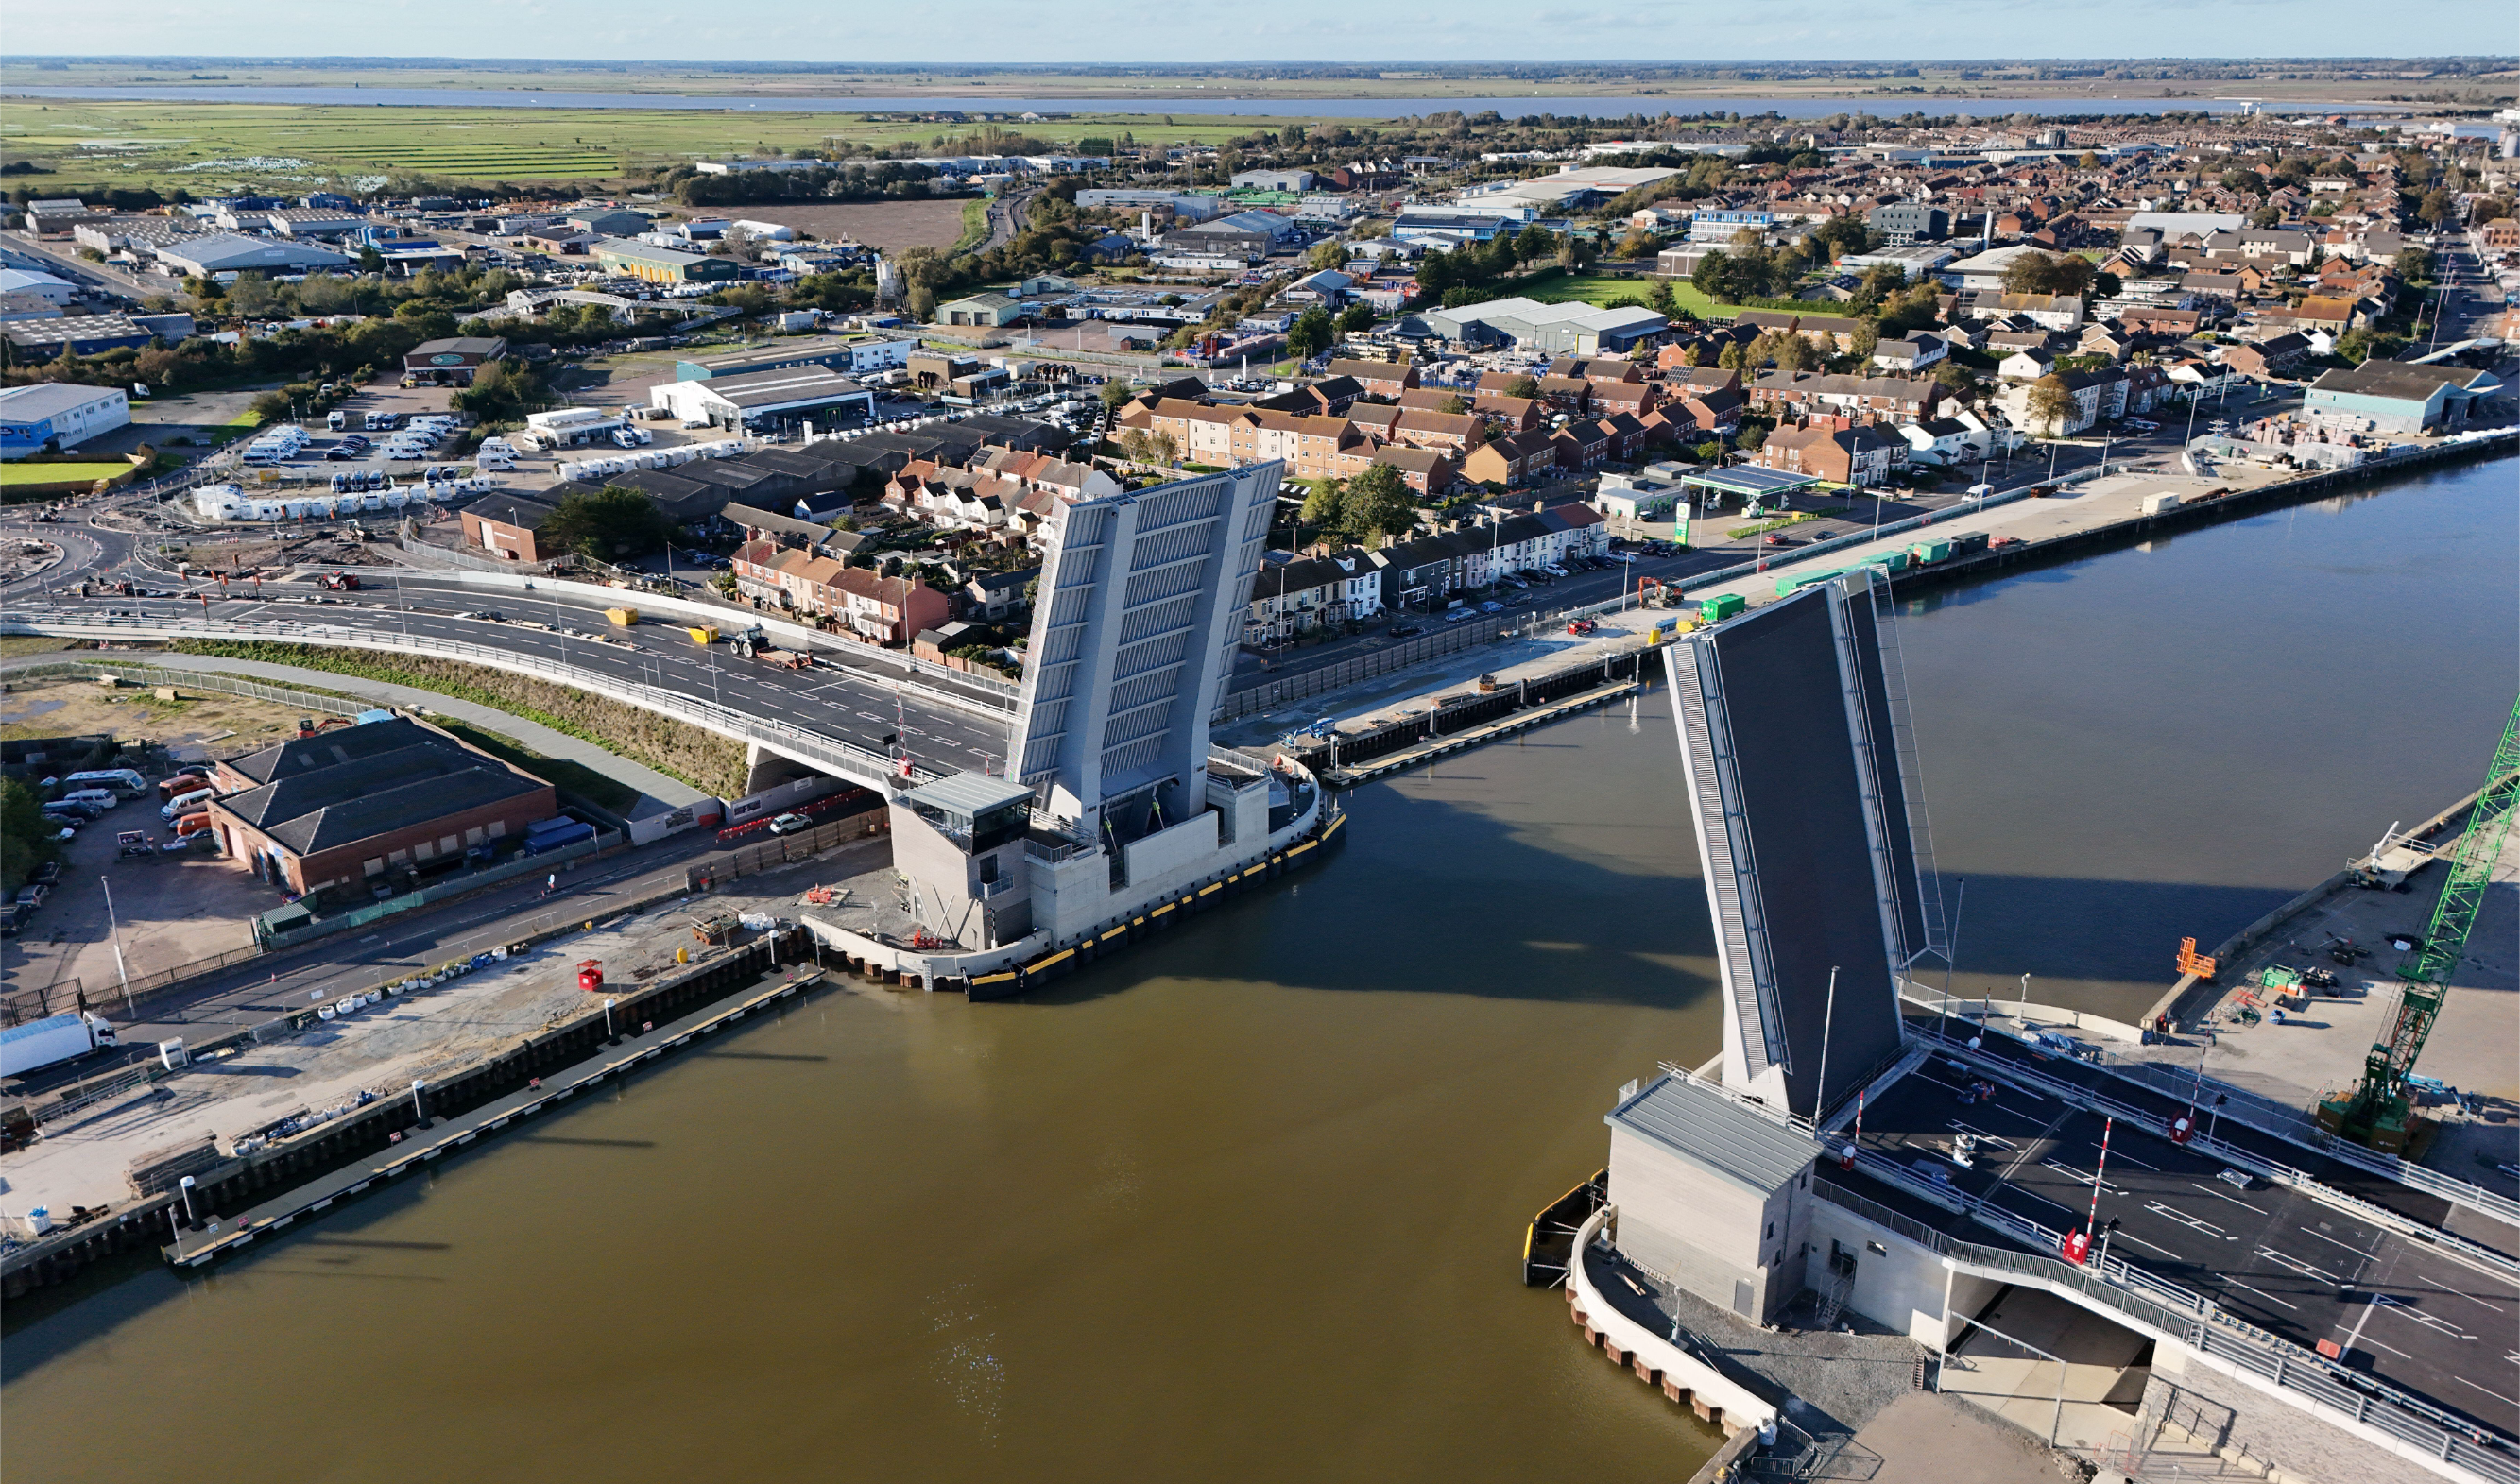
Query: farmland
[[891, 225], [208, 147]]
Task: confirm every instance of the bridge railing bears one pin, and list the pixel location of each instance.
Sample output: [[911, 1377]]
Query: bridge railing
[[860, 763], [2191, 1318]]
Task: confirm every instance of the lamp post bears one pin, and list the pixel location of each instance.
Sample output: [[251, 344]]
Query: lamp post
[[419, 1115], [610, 1036], [115, 924], [190, 1219]]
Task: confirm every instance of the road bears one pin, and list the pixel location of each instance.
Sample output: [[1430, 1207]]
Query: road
[[1713, 550], [2461, 310], [2412, 1315], [849, 697]]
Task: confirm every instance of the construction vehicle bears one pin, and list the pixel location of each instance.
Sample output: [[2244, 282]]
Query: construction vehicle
[[339, 582], [2379, 1111], [308, 726]]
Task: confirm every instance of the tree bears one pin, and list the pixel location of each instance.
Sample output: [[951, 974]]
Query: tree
[[1534, 242], [370, 259], [1525, 387], [1356, 319], [2439, 208], [1867, 338], [2265, 217], [1322, 506], [1452, 406], [1636, 245], [1377, 502], [608, 524], [2051, 404], [1328, 254], [923, 303], [1659, 297], [2414, 264], [1310, 334], [1114, 392], [25, 838]]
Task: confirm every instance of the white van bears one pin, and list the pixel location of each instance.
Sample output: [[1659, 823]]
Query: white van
[[102, 799], [184, 803]]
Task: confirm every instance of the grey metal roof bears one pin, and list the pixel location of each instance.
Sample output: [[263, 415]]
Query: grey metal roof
[[1712, 1132], [967, 793]]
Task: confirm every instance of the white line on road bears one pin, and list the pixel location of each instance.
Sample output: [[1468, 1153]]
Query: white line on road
[[2470, 1297], [2262, 1293], [2428, 1321], [2497, 1395], [2347, 1246], [2218, 1195], [2295, 1264], [2182, 1217]]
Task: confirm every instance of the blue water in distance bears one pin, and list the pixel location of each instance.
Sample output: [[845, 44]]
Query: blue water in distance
[[1616, 107]]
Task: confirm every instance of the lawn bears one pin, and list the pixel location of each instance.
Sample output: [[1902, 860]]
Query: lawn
[[59, 473], [1559, 286]]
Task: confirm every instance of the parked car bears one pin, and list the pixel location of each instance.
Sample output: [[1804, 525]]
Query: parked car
[[1406, 631], [791, 823]]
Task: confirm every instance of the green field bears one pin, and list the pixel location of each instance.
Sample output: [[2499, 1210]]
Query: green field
[[207, 147], [60, 473]]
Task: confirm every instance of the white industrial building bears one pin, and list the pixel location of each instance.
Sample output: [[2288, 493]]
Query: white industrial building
[[60, 414]]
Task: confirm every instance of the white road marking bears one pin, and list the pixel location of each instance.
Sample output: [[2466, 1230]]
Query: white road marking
[[2287, 1261], [2428, 1321], [2262, 1293], [2182, 1217], [2470, 1297], [2080, 1177], [2497, 1395], [2392, 1349], [2138, 1163], [2347, 1246], [2218, 1195], [2126, 1236]]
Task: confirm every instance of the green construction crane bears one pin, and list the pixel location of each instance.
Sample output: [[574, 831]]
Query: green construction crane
[[2377, 1113]]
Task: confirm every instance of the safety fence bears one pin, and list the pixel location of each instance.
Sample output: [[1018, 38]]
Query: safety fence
[[1454, 713]]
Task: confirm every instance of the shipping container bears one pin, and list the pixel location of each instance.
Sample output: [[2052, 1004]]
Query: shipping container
[[536, 845], [1924, 553], [1723, 606]]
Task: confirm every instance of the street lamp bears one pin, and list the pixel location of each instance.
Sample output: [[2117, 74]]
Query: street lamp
[[190, 1219], [611, 1037], [419, 1115], [115, 923]]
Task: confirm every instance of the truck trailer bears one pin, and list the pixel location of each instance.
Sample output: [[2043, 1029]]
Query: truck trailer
[[51, 1041]]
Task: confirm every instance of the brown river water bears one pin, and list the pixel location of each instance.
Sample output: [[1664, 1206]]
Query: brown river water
[[1247, 1204]]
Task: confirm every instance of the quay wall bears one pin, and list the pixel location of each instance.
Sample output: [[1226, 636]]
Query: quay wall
[[237, 1183]]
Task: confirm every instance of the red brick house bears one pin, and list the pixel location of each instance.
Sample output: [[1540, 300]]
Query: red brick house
[[886, 610]]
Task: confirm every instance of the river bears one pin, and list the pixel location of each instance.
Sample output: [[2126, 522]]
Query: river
[[1187, 101], [1247, 1203]]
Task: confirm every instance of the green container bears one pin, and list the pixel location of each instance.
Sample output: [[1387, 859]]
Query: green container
[[1925, 551], [1718, 608]]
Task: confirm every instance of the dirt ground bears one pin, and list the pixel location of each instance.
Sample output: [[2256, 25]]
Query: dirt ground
[[891, 225], [255, 551], [188, 726]]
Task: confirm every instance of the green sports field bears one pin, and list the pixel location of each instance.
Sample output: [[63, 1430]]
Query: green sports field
[[16, 474]]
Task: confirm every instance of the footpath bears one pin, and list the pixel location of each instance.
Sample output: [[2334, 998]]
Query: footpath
[[2073, 510]]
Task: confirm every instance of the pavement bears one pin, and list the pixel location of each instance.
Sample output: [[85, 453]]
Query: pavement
[[1925, 1438]]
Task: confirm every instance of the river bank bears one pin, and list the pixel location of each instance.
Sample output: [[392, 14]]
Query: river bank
[[975, 1224]]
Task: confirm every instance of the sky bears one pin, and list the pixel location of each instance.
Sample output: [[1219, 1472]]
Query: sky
[[1249, 30]]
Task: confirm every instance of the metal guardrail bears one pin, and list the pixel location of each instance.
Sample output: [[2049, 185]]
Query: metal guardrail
[[841, 757], [2230, 1153], [2188, 1317], [2267, 1116]]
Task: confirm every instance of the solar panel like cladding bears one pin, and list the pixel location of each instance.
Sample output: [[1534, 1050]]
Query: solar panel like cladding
[[1806, 837]]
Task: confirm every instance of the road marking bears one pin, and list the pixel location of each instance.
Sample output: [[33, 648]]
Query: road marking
[[2428, 1321], [2080, 1177], [2218, 1195], [2262, 1293], [2295, 1264], [2392, 1349], [2497, 1395], [1964, 1128], [2122, 1155], [2126, 1236], [2470, 1297], [2350, 1247], [2182, 1217]]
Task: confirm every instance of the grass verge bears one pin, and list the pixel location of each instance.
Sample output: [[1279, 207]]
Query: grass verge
[[677, 750]]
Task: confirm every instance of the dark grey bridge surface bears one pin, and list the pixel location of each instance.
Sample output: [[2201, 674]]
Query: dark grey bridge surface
[[2301, 1268]]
